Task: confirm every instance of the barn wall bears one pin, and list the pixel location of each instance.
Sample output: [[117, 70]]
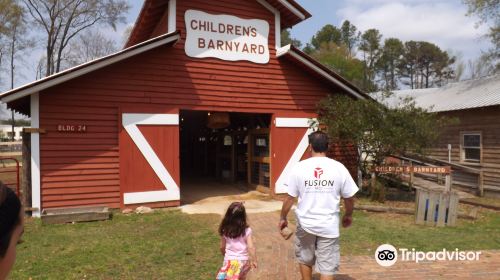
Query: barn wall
[[487, 121], [83, 169]]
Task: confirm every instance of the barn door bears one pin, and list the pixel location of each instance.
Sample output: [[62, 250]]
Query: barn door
[[149, 159], [289, 146]]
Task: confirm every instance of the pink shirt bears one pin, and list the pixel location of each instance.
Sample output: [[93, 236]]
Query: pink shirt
[[236, 248]]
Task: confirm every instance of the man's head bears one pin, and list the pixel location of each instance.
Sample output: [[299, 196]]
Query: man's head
[[319, 142]]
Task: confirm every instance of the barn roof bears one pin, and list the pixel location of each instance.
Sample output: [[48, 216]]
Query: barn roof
[[477, 93], [153, 10], [71, 73]]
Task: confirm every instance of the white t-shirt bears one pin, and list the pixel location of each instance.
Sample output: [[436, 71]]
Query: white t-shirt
[[319, 183]]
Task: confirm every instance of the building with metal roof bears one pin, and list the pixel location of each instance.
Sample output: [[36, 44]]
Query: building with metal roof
[[473, 142], [477, 93]]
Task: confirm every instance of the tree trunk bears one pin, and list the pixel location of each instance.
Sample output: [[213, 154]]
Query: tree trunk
[[12, 55]]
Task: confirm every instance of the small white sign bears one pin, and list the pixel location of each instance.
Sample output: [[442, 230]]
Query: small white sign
[[226, 37]]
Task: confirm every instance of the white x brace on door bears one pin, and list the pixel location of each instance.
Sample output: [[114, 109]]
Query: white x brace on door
[[130, 123]]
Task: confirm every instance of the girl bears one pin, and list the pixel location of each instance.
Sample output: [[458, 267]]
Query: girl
[[236, 244], [11, 228]]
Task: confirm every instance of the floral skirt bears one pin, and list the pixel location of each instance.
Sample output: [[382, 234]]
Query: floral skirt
[[233, 270]]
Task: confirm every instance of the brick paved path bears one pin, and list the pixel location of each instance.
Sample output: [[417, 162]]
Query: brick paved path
[[277, 261]]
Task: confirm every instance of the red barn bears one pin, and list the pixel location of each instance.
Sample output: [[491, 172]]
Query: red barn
[[202, 89]]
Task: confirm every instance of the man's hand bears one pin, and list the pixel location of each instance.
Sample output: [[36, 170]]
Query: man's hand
[[287, 205], [346, 221], [282, 224]]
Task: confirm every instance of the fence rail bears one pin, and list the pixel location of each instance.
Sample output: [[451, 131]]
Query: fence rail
[[461, 175], [9, 173]]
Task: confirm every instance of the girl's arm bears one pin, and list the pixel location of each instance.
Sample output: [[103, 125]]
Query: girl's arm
[[223, 245], [251, 251]]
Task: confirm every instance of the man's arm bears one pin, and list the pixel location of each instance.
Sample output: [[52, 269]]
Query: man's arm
[[349, 207], [287, 205]]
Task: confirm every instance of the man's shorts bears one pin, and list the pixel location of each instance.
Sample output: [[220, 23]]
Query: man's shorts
[[322, 252]]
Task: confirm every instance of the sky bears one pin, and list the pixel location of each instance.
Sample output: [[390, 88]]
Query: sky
[[442, 22]]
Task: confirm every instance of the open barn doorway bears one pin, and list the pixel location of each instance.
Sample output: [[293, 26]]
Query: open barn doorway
[[223, 153]]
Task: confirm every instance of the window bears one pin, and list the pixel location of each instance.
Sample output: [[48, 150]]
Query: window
[[471, 147]]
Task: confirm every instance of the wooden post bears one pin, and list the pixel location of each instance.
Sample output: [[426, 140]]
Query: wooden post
[[411, 175], [373, 181], [447, 183], [234, 142], [26, 170], [480, 186]]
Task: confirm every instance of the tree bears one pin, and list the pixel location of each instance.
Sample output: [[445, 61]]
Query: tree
[[18, 44], [63, 20], [480, 67], [286, 39], [338, 59], [327, 34], [390, 61], [370, 45], [89, 46], [349, 36], [425, 65], [408, 66], [488, 11], [432, 64], [8, 11], [377, 130]]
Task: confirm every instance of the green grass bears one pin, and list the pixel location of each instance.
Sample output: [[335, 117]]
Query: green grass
[[173, 245], [369, 230], [163, 245]]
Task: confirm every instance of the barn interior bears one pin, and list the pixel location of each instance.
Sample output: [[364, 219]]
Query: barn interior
[[223, 153]]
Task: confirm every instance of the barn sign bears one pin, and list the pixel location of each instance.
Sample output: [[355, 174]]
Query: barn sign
[[226, 37], [413, 169], [70, 128]]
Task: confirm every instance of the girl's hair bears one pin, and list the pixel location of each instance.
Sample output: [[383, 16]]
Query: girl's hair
[[10, 206], [234, 223]]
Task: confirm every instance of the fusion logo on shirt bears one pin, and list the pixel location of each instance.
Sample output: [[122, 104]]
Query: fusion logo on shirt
[[318, 171]]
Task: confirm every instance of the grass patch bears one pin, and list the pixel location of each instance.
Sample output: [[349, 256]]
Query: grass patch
[[162, 245], [173, 245], [485, 200], [369, 230]]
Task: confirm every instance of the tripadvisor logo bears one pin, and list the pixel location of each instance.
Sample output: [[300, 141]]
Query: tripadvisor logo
[[387, 255]]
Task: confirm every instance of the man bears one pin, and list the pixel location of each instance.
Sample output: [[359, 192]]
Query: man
[[319, 182]]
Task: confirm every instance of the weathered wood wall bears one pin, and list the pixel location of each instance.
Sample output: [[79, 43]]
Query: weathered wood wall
[[487, 121]]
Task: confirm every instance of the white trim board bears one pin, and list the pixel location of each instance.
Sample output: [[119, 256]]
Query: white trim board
[[35, 155], [277, 22], [172, 16], [293, 9], [281, 184], [88, 67], [294, 122], [130, 123]]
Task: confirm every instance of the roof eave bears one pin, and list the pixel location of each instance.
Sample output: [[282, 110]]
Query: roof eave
[[88, 67], [322, 70]]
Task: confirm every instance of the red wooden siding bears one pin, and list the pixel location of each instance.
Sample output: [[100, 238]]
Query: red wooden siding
[[140, 177], [162, 26], [79, 168], [82, 169]]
